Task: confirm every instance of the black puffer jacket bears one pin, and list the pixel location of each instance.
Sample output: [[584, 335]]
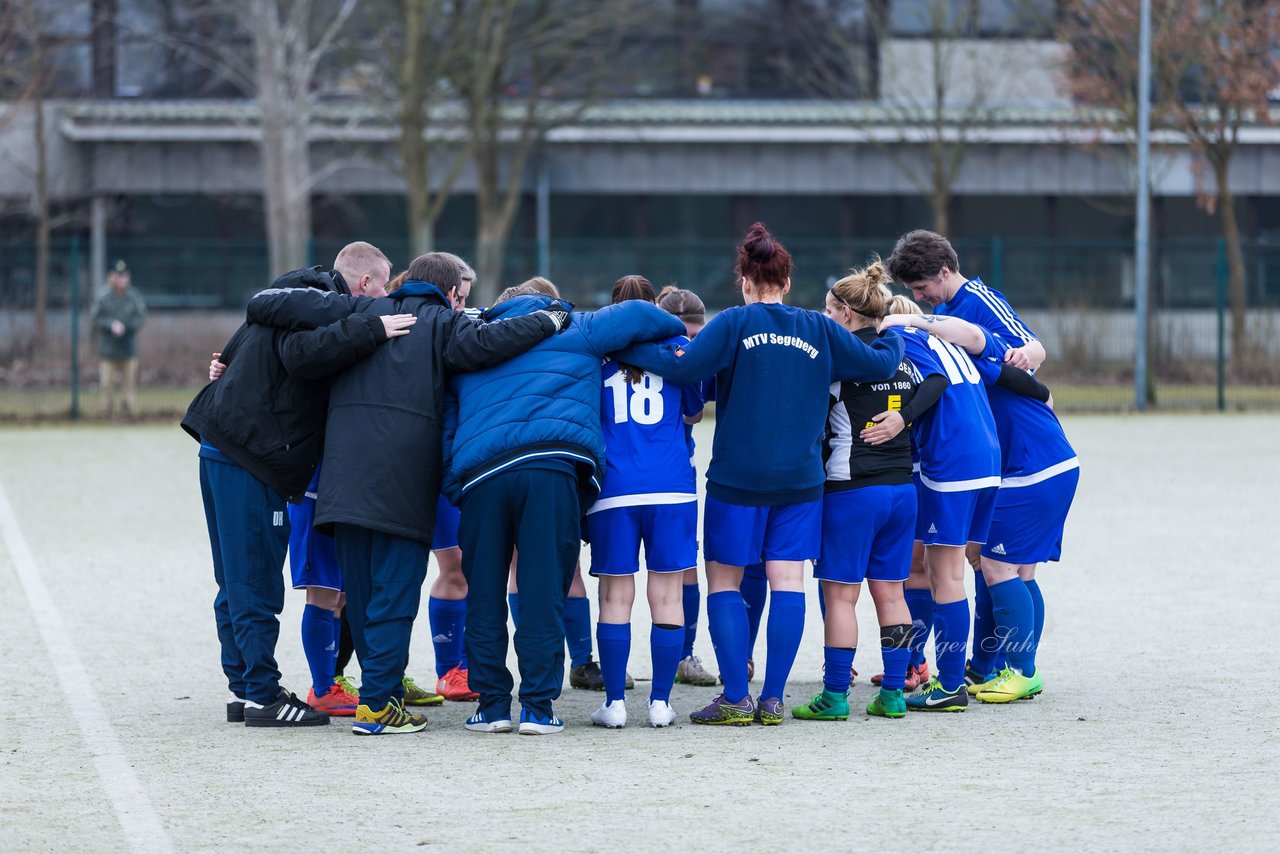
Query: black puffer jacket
[[382, 464], [267, 411]]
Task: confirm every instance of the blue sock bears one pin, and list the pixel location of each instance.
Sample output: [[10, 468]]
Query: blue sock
[[920, 603], [1037, 601], [755, 592], [835, 674], [822, 600], [692, 604], [895, 667], [786, 626], [317, 644], [577, 630], [1015, 616], [727, 621], [615, 648], [986, 643], [666, 648], [337, 640], [447, 618], [513, 605], [951, 623]]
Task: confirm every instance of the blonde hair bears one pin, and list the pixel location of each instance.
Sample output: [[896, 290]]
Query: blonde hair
[[542, 286], [901, 304], [397, 281], [865, 291], [359, 259]]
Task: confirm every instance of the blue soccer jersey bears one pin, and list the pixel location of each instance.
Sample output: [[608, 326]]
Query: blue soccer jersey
[[1032, 442], [646, 446], [955, 439]]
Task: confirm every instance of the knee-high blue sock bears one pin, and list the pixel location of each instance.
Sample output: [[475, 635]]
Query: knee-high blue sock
[[755, 592], [614, 640], [447, 618], [920, 603], [1037, 601], [577, 630], [986, 643], [786, 626], [319, 646], [513, 605], [666, 647], [822, 603], [837, 661], [692, 595], [727, 622], [951, 623], [1015, 619]]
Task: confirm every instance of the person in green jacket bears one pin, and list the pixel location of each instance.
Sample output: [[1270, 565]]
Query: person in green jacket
[[118, 314]]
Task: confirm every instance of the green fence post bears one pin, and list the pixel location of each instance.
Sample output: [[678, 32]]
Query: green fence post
[[1222, 324], [997, 263], [75, 328]]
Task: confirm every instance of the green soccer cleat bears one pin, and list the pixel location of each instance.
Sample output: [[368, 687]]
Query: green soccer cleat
[[975, 681], [825, 706], [347, 685], [888, 703], [932, 697], [1011, 685], [417, 696]]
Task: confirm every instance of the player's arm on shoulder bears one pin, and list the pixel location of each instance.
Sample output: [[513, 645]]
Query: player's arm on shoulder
[[1023, 383], [851, 359], [474, 345], [301, 308], [317, 353], [683, 363], [617, 326], [1028, 357]]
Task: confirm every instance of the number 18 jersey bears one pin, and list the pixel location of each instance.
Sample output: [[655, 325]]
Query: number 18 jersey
[[646, 449]]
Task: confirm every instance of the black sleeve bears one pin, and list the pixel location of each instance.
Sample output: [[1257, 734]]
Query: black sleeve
[[316, 353], [474, 346], [1020, 382], [927, 394], [229, 350], [300, 308]]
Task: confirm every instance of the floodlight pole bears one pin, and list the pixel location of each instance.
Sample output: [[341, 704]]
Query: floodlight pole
[[1142, 227]]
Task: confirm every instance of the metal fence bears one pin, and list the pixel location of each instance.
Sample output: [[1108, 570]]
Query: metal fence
[[1077, 295]]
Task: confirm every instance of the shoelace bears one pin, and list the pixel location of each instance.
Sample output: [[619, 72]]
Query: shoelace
[[411, 687], [346, 684], [1002, 677]]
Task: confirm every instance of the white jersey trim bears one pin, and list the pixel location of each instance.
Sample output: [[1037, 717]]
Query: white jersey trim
[[1040, 476], [642, 499], [525, 457], [1005, 314], [960, 485]]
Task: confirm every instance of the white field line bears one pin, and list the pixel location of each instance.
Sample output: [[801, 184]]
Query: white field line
[[138, 819]]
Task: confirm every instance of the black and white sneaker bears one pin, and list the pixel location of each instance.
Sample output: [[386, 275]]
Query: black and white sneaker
[[287, 710], [235, 710]]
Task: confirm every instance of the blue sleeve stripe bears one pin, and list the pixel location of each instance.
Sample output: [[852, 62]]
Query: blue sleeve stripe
[[1002, 310]]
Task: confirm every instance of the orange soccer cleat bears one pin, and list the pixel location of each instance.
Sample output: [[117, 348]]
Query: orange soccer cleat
[[453, 685]]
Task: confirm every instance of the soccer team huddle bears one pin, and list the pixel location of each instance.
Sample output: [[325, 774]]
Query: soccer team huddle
[[380, 421]]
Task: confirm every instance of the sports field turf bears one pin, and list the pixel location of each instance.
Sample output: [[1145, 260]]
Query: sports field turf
[[1157, 729]]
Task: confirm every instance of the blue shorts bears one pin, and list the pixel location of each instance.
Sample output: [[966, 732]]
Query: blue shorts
[[1027, 524], [867, 533], [738, 535], [953, 518], [313, 559], [445, 536], [669, 533]]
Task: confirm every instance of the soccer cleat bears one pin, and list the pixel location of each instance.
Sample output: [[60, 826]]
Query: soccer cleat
[[335, 702], [751, 671], [481, 722], [720, 712], [587, 676], [454, 686], [975, 681], [661, 714], [347, 685], [888, 703], [415, 696], [691, 672], [286, 710], [825, 706], [392, 719], [235, 710], [629, 683], [916, 676], [533, 724], [610, 715], [769, 711], [932, 697], [1011, 685]]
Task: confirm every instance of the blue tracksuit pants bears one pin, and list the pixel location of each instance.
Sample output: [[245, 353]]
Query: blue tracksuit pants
[[383, 574], [536, 511], [249, 533]]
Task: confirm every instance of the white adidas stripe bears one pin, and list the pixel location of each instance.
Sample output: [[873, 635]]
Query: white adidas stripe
[[1040, 476], [1002, 311], [960, 485], [642, 499]]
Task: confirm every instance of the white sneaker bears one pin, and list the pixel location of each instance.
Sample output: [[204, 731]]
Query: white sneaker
[[660, 713], [612, 715]]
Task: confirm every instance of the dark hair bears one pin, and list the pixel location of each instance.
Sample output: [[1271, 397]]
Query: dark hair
[[763, 260], [920, 255], [632, 287], [685, 305], [437, 268]]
